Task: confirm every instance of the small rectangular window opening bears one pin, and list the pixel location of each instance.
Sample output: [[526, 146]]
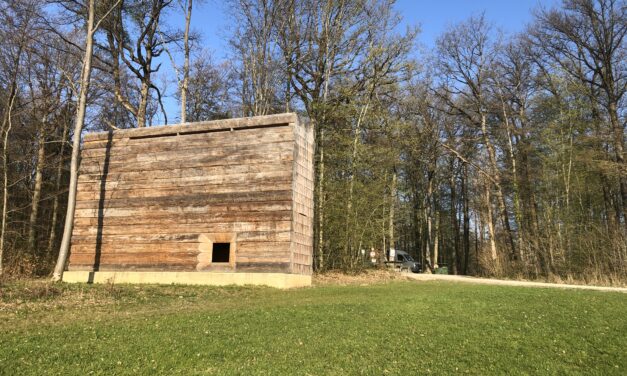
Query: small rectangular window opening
[[221, 252]]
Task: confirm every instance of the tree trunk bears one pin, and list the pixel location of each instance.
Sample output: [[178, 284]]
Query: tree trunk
[[351, 184], [32, 224], [454, 225], [428, 213], [466, 238], [321, 260], [76, 145], [185, 84], [7, 122], [436, 240], [490, 223], [512, 157], [618, 134], [497, 182], [57, 184], [143, 104], [392, 209]]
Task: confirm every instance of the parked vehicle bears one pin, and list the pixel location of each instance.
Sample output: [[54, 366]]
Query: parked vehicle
[[405, 261]]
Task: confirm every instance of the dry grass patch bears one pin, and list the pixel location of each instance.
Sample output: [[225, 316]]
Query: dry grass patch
[[363, 278], [42, 295]]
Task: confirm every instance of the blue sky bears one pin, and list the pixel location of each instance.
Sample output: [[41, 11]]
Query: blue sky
[[210, 19], [511, 16]]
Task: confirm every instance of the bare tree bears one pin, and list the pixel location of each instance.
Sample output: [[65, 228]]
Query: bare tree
[[466, 58], [79, 122], [321, 40], [208, 95], [586, 38], [255, 50], [19, 20], [133, 39]]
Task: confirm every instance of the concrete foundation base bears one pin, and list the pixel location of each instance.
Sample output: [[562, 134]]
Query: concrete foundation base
[[278, 280]]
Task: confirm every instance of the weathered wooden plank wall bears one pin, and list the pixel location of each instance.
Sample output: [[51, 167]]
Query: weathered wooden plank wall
[[147, 195], [302, 193]]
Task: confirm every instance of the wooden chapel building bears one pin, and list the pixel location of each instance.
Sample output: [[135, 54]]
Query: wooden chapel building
[[217, 202]]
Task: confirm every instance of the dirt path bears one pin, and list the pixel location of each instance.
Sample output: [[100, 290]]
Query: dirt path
[[489, 281]]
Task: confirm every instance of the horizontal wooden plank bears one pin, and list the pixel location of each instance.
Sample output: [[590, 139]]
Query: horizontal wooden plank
[[256, 248], [245, 250], [278, 119], [187, 172], [150, 209], [165, 247], [205, 180], [119, 193], [278, 226], [118, 158], [170, 267], [131, 149], [243, 267], [261, 267], [136, 258], [203, 208], [139, 257], [99, 167], [283, 257], [256, 236], [183, 200], [147, 219], [301, 269]]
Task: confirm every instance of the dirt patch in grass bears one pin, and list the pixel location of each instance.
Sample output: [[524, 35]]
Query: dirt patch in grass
[[365, 277]]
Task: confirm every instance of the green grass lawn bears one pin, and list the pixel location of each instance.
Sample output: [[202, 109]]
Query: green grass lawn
[[379, 329]]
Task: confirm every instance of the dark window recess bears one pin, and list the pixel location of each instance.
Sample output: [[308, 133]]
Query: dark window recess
[[221, 252]]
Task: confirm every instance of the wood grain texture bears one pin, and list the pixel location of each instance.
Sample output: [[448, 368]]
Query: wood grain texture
[[149, 199], [238, 123], [302, 200]]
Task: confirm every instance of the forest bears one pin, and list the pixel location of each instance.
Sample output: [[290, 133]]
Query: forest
[[492, 154]]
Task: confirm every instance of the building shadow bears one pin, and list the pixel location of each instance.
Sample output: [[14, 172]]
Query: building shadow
[[101, 203]]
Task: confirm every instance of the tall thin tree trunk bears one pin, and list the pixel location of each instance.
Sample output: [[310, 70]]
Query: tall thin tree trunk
[[393, 192], [466, 238], [185, 84], [321, 260], [490, 223], [76, 145], [514, 171], [32, 223], [351, 184], [428, 213], [436, 240], [454, 225], [57, 184], [497, 182], [516, 189], [7, 122], [478, 239]]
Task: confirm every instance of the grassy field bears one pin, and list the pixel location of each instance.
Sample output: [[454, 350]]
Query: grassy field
[[378, 329]]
